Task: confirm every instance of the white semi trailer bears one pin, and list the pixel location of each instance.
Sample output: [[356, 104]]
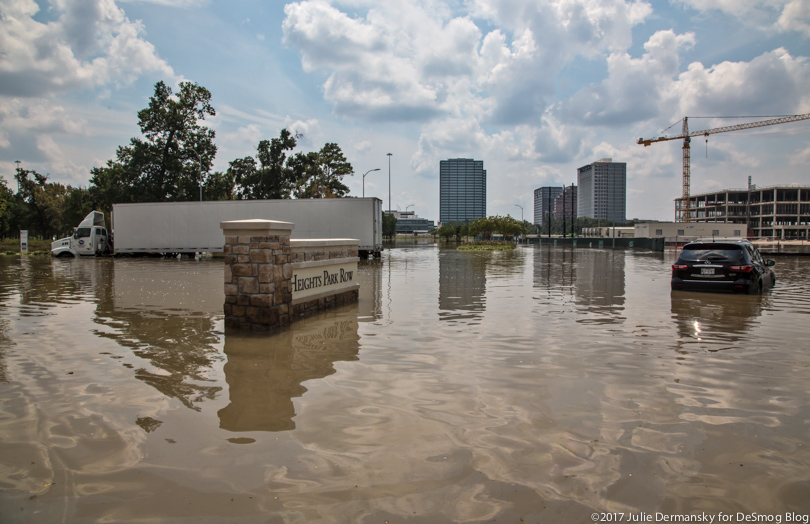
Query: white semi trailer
[[193, 227]]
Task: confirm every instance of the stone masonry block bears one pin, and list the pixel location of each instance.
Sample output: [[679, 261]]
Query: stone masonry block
[[261, 256], [242, 270], [248, 285], [261, 300], [266, 273]]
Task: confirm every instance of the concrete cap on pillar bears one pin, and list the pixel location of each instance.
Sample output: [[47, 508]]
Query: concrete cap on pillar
[[256, 227]]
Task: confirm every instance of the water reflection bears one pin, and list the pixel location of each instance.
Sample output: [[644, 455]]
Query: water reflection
[[719, 319], [462, 285], [369, 274], [264, 373], [166, 313], [539, 414], [593, 278]]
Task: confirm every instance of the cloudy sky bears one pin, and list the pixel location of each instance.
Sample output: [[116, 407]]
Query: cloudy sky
[[534, 88]]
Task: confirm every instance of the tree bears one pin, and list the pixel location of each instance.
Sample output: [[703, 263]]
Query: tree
[[509, 227], [447, 232], [219, 186], [169, 162], [77, 204], [6, 204], [483, 227], [38, 205], [389, 225], [273, 177], [320, 174]]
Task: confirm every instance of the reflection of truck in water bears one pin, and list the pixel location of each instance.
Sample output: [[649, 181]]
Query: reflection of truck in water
[[172, 228]]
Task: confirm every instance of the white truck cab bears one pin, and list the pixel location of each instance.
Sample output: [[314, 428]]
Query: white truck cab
[[89, 239]]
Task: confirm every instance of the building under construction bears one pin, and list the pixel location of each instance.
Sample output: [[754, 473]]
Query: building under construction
[[770, 212]]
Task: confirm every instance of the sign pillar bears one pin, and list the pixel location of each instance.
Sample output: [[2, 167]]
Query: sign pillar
[[23, 241], [271, 281], [258, 273]]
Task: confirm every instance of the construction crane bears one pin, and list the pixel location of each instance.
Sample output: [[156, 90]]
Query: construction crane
[[687, 138]]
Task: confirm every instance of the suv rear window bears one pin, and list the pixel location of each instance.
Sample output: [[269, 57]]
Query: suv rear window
[[712, 253]]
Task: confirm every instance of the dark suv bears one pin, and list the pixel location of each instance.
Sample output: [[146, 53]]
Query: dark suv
[[722, 265]]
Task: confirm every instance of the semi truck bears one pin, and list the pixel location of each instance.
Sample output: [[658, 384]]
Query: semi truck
[[185, 228]]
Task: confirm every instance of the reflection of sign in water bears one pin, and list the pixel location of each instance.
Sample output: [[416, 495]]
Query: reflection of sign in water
[[315, 278], [265, 373]]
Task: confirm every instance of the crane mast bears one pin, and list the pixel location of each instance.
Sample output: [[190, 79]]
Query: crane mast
[[686, 135]]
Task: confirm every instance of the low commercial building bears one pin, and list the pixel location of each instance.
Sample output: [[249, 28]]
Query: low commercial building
[[678, 232], [781, 212], [410, 224]]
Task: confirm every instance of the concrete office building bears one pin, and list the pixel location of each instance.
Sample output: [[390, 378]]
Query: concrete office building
[[544, 204], [777, 211], [603, 191], [462, 190]]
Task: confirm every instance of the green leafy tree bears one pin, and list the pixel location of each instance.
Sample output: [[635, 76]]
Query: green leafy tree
[[320, 174], [510, 227], [6, 206], [171, 160], [483, 227], [77, 204], [271, 177], [219, 186], [38, 205], [461, 230], [389, 225], [447, 232]]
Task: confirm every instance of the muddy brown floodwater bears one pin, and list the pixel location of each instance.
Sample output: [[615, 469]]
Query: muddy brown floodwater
[[543, 385]]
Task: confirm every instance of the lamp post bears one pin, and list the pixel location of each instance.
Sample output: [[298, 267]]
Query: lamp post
[[364, 180], [389, 181], [18, 170], [409, 205]]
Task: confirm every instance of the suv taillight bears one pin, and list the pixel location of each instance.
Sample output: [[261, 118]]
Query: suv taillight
[[742, 269], [678, 267]]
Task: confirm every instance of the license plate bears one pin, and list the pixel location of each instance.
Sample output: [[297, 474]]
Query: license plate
[[707, 271]]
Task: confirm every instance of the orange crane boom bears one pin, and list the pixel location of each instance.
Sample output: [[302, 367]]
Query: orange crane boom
[[686, 135]]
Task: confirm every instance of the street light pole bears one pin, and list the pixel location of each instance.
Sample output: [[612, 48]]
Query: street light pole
[[521, 214], [18, 171], [389, 181], [409, 205], [364, 180]]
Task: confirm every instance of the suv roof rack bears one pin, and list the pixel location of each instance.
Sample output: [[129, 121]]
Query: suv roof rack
[[722, 239]]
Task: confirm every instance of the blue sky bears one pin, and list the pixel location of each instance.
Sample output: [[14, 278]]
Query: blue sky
[[534, 88]]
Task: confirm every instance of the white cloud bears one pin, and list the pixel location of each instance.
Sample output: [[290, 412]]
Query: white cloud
[[772, 83], [782, 15], [635, 89], [91, 44], [423, 60]]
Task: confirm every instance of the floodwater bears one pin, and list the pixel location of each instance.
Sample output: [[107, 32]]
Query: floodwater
[[542, 385]]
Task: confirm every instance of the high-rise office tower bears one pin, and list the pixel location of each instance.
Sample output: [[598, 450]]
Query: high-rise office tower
[[603, 190], [462, 190], [544, 204]]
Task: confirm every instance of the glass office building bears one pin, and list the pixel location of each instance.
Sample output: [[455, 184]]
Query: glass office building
[[603, 190], [462, 190]]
